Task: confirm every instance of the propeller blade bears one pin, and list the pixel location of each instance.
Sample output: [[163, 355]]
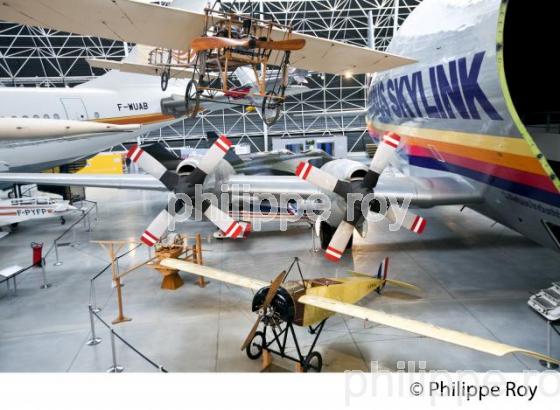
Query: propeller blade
[[208, 43], [411, 221], [229, 226], [339, 241], [153, 167], [381, 158], [251, 333], [156, 229], [217, 151], [322, 179], [281, 45], [272, 290]]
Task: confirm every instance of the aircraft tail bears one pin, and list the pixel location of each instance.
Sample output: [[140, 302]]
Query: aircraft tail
[[382, 273]]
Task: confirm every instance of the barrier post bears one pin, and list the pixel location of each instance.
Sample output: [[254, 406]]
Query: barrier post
[[58, 262], [94, 340], [544, 363], [115, 368], [45, 284], [93, 297]]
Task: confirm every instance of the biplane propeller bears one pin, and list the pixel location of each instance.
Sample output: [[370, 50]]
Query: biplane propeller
[[250, 43], [355, 218], [309, 303], [186, 184]]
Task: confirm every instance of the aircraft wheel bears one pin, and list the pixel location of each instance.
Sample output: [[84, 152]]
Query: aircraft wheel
[[271, 109], [192, 99], [164, 80], [255, 348], [62, 220], [313, 363]]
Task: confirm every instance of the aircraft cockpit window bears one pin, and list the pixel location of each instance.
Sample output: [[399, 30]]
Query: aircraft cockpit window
[[96, 115], [56, 116], [46, 116]]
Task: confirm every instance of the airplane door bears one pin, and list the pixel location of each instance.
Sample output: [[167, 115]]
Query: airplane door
[[75, 108]]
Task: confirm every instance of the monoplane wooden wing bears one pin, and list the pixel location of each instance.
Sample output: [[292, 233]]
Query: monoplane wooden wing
[[420, 328], [216, 274]]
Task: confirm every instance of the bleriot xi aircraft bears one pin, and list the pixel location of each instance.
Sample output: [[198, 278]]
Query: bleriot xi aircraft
[[282, 304], [464, 120]]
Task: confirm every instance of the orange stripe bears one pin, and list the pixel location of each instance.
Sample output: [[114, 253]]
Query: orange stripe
[[136, 119], [519, 162]]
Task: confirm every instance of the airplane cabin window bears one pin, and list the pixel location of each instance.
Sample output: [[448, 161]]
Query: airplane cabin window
[[96, 115], [35, 116], [46, 116], [56, 116]]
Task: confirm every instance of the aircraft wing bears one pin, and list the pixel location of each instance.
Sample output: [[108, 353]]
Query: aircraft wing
[[216, 274], [138, 68], [133, 181], [168, 27], [422, 192], [420, 328]]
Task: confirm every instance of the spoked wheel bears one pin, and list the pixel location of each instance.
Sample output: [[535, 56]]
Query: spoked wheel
[[255, 348], [313, 362], [192, 99], [164, 79], [271, 109]]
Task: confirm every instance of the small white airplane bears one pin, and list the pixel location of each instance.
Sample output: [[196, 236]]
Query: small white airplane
[[14, 211]]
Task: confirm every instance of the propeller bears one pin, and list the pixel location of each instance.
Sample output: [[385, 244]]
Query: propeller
[[272, 290], [208, 43], [186, 185], [330, 183]]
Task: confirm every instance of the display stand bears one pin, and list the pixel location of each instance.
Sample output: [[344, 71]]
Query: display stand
[[113, 248]]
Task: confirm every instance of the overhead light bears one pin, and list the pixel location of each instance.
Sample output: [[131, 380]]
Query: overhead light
[[348, 75]]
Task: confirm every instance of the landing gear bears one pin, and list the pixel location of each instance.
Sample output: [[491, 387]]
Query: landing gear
[[164, 79], [192, 99], [310, 362], [271, 109], [62, 220], [313, 363], [255, 349]]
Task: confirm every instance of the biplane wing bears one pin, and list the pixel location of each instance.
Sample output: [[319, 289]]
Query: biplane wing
[[138, 68], [420, 328], [168, 27]]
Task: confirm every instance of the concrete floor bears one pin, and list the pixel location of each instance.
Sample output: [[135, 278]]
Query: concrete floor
[[474, 277]]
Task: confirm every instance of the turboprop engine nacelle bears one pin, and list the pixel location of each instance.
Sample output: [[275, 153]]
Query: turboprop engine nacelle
[[222, 171]]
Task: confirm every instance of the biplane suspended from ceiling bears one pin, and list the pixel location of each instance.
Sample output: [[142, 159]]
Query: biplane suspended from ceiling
[[203, 46]]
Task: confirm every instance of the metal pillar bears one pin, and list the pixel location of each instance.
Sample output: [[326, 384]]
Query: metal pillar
[[45, 284], [544, 363], [115, 368], [94, 339]]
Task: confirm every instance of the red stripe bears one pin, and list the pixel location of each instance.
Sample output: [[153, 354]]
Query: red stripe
[[151, 235], [392, 143], [131, 150], [299, 169], [147, 241], [330, 248], [309, 168], [510, 174], [332, 258], [422, 227], [226, 140], [247, 231], [230, 228], [237, 232]]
